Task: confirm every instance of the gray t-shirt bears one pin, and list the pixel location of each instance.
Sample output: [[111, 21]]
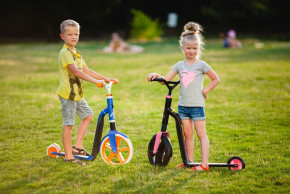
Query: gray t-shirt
[[191, 83]]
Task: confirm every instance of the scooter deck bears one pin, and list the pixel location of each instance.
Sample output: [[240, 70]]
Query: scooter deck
[[213, 164], [89, 158]]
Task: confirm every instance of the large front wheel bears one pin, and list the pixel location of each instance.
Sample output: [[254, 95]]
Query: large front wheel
[[164, 151], [124, 150]]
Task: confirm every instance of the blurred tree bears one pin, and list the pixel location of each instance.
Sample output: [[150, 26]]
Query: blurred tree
[[143, 27], [40, 19], [234, 14]]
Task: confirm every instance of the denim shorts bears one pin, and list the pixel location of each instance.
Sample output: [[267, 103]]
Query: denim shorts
[[70, 108], [194, 113]]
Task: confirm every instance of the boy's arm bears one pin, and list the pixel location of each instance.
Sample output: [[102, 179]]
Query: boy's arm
[[94, 74], [82, 75]]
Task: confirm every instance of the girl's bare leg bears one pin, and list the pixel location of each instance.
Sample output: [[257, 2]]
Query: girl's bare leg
[[189, 142], [204, 142]]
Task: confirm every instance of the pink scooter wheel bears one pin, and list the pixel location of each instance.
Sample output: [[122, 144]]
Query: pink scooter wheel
[[238, 161]]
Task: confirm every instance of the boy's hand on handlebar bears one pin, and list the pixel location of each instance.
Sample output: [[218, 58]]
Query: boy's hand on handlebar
[[114, 80], [107, 80], [100, 83]]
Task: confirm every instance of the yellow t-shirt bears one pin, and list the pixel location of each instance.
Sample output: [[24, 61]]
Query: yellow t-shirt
[[70, 87]]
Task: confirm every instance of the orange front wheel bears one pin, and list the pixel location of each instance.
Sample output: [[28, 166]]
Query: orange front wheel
[[124, 150]]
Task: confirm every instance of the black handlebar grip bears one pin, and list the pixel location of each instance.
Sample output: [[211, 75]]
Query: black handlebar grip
[[159, 79]]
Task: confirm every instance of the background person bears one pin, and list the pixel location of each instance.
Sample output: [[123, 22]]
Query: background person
[[231, 41], [118, 45]]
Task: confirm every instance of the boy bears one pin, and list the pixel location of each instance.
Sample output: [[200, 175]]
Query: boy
[[72, 70]]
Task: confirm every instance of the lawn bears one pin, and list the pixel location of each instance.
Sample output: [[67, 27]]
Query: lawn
[[247, 116]]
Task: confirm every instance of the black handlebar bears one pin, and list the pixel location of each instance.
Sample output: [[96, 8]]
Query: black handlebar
[[170, 84], [158, 79], [164, 81]]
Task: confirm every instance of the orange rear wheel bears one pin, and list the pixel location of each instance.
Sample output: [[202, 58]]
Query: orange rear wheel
[[52, 148]]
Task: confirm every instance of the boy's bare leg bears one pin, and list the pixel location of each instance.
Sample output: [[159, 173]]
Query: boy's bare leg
[[66, 140], [84, 125]]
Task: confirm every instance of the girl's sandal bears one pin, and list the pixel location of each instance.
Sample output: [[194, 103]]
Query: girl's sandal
[[202, 168], [180, 165], [80, 151], [76, 161]]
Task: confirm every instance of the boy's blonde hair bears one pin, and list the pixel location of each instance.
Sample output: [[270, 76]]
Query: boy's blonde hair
[[66, 23], [192, 32]]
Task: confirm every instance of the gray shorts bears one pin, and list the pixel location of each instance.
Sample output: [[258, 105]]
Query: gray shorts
[[70, 108]]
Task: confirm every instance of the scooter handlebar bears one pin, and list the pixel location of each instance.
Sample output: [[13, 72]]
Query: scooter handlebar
[[99, 85], [114, 82], [161, 79]]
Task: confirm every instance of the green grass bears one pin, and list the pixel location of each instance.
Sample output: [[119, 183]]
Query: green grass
[[247, 116]]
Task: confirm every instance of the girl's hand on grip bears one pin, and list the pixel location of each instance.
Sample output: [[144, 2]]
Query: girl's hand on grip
[[151, 76]]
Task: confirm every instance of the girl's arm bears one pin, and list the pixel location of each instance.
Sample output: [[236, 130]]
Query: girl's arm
[[214, 82], [170, 75]]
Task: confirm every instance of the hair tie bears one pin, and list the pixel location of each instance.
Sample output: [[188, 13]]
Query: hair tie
[[191, 32], [188, 32]]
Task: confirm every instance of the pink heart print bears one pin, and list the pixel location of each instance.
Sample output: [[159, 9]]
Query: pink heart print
[[186, 77]]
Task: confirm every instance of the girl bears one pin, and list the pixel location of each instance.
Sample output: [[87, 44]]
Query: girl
[[192, 95]]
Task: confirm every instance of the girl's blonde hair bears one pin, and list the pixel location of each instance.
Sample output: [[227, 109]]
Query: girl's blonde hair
[[192, 32], [66, 23]]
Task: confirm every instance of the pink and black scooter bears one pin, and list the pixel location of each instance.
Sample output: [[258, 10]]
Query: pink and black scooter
[[160, 148]]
